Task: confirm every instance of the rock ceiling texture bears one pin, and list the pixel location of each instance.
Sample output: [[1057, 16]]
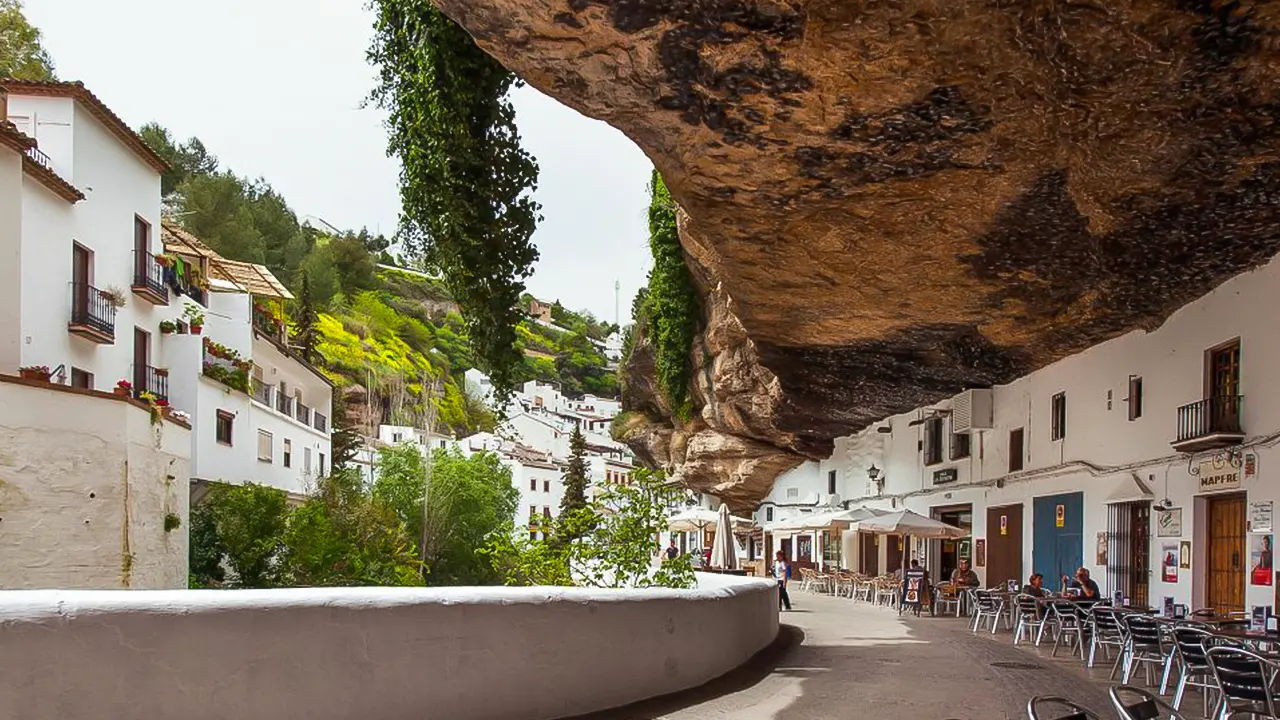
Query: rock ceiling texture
[[893, 200]]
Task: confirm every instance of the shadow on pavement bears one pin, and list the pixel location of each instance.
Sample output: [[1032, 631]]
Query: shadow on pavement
[[760, 666]]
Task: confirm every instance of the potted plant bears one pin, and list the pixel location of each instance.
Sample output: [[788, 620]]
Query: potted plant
[[35, 372], [124, 388], [161, 372], [114, 297], [195, 317], [168, 327]]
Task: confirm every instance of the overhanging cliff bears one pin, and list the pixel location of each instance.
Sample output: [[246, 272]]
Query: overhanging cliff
[[898, 199]]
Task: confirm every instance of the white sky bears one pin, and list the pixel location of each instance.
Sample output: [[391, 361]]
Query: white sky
[[274, 89]]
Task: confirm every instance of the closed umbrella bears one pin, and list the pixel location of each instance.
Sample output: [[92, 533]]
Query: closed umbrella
[[724, 550]]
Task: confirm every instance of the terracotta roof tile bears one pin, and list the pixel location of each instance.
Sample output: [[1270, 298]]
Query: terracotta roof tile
[[12, 137]]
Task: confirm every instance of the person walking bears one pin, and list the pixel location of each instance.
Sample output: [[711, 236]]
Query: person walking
[[672, 550], [780, 573]]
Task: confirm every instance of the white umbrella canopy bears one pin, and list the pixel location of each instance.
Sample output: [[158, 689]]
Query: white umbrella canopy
[[697, 519], [906, 522], [821, 521], [724, 550]]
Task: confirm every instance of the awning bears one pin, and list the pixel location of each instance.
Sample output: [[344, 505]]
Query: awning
[[1129, 489]]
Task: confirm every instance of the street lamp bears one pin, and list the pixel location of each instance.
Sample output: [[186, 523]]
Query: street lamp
[[876, 477]]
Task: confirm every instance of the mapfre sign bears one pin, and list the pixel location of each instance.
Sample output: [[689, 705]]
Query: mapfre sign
[[1216, 475]]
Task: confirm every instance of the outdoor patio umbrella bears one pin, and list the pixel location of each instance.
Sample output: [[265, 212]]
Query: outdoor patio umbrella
[[724, 550], [698, 519], [905, 522]]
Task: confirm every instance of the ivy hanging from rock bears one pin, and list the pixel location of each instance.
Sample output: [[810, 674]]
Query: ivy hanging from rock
[[465, 182], [671, 306]]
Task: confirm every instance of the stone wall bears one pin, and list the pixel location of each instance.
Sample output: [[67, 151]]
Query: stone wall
[[338, 654], [86, 480]]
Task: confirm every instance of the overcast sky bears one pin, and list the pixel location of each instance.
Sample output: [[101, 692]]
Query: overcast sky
[[274, 89]]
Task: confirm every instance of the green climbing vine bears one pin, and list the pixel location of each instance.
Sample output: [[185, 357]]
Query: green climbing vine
[[465, 182], [671, 306]]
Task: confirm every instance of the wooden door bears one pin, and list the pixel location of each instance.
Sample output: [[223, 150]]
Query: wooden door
[[1139, 559], [80, 282], [870, 553], [141, 359], [785, 546], [1224, 388], [1004, 545], [893, 553], [1225, 553]]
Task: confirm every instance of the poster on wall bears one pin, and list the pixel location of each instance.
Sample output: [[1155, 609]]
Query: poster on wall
[[1260, 559], [1169, 562], [1184, 555], [1101, 551], [979, 553], [1260, 516], [1169, 522]]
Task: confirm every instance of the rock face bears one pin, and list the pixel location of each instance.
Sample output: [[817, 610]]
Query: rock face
[[899, 199]]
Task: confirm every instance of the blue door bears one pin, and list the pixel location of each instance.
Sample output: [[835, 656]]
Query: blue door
[[1057, 546]]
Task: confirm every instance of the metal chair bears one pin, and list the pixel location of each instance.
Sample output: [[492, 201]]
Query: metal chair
[[1039, 704], [1189, 645], [863, 589], [1070, 622], [1244, 681], [1030, 617], [986, 607], [944, 597], [1107, 631], [1143, 646], [1134, 703]]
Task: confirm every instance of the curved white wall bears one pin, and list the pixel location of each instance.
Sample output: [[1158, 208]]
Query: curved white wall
[[385, 653]]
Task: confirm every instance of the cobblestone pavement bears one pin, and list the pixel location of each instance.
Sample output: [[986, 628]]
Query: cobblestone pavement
[[858, 661]]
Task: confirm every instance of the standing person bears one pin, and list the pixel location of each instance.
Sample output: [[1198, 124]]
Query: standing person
[[780, 572], [672, 550]]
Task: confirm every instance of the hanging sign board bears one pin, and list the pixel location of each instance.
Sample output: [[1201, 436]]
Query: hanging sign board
[[1217, 475]]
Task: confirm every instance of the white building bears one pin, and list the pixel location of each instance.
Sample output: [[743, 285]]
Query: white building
[[260, 413], [1149, 448], [79, 219]]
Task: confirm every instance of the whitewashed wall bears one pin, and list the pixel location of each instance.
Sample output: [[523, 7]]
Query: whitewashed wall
[[85, 484], [12, 182], [337, 654]]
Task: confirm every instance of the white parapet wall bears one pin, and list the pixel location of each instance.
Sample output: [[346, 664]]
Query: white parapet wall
[[384, 653]]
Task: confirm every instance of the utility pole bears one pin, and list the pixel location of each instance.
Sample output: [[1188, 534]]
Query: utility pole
[[428, 455], [617, 294]]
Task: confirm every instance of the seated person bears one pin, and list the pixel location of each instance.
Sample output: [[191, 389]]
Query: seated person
[[1082, 582], [963, 576], [1035, 586]]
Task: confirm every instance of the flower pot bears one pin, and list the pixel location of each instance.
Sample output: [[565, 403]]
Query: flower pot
[[34, 375], [122, 392], [196, 329], [164, 331]]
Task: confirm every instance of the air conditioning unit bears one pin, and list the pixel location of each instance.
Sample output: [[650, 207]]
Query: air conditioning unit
[[972, 410]]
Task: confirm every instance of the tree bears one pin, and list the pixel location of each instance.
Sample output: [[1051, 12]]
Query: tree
[[186, 160], [465, 182], [246, 523], [21, 54], [616, 542], [304, 333], [575, 477], [468, 500], [344, 441]]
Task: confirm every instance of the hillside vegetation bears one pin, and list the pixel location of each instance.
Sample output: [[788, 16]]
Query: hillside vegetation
[[388, 338]]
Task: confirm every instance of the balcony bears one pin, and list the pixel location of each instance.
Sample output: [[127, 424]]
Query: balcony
[[93, 315], [284, 404], [151, 380], [261, 392], [1209, 424], [148, 279], [302, 413], [321, 422]]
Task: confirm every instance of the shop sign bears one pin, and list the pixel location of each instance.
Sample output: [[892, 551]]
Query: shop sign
[[1216, 476], [942, 477], [1004, 524], [1060, 516]]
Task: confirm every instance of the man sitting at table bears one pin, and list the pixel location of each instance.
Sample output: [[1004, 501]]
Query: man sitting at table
[[1035, 586], [1082, 582], [963, 576]]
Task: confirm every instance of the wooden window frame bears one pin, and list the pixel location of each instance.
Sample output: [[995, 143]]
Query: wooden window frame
[[1017, 461], [961, 446], [271, 448], [931, 445], [230, 419], [831, 482], [1135, 397], [1058, 416], [287, 450]]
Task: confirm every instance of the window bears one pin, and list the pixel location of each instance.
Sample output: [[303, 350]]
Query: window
[[306, 461], [546, 486], [397, 437], [81, 379], [1058, 426], [546, 512], [533, 483], [768, 514], [961, 444], [264, 446], [933, 441], [288, 452], [831, 482], [223, 426], [793, 493], [1015, 450], [1135, 397], [322, 464], [533, 514]]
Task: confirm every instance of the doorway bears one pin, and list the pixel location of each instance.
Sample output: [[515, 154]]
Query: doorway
[[81, 262], [1224, 590], [1004, 545], [951, 552], [893, 553], [1129, 550], [141, 359], [1057, 545], [785, 546], [1224, 388], [870, 553]]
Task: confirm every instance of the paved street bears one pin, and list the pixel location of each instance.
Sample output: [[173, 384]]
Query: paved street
[[858, 661]]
